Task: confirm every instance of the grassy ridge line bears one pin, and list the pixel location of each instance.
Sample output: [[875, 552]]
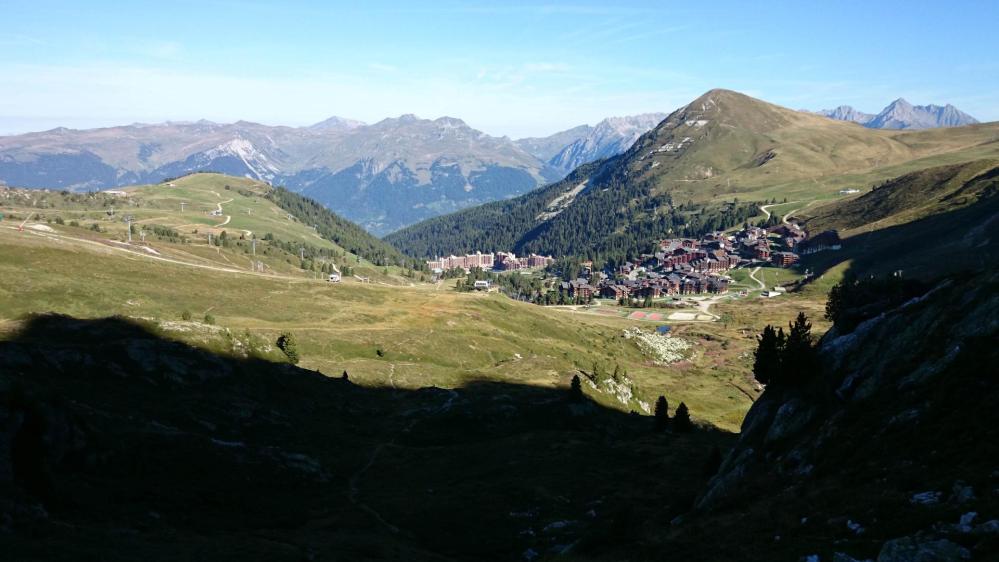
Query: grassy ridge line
[[909, 197]]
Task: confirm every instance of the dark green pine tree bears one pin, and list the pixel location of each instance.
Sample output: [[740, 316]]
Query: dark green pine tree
[[766, 362], [576, 389], [799, 358], [681, 420], [662, 414], [345, 376]]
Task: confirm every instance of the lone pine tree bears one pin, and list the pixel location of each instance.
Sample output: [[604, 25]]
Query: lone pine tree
[[576, 389], [662, 414]]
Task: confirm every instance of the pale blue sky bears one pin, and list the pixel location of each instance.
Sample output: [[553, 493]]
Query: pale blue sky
[[517, 70]]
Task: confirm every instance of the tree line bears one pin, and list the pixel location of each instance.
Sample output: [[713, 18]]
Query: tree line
[[339, 230], [614, 219]]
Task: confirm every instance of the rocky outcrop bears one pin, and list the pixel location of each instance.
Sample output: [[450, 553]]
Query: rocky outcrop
[[887, 399]]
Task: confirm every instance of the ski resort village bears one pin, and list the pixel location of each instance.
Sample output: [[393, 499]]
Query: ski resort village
[[676, 267]]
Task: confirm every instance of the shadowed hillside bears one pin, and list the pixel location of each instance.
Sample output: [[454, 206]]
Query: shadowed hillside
[[888, 451], [118, 444], [925, 224]]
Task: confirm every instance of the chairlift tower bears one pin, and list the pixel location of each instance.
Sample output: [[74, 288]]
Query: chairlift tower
[[128, 221]]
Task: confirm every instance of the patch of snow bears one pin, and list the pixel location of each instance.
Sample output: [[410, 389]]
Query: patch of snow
[[255, 160]]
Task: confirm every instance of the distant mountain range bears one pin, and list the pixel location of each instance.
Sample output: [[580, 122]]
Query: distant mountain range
[[901, 114], [383, 176]]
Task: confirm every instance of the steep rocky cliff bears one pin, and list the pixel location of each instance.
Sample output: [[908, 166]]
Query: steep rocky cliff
[[889, 453]]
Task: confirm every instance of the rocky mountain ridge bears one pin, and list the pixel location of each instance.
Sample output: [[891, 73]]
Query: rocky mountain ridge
[[384, 175], [900, 114]]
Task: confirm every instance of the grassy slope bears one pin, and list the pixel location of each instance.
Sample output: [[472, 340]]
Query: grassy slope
[[160, 204], [815, 157], [427, 336], [926, 223], [907, 198]]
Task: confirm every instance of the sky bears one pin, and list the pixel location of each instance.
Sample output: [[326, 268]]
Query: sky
[[515, 69]]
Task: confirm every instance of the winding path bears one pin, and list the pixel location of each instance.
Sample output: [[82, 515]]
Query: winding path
[[218, 207], [752, 275]]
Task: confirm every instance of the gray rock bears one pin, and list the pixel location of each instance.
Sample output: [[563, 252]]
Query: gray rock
[[926, 498], [722, 486], [791, 418], [912, 549], [967, 518], [962, 493], [843, 557]]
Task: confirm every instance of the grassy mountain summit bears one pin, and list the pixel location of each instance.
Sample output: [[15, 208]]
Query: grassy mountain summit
[[686, 173]]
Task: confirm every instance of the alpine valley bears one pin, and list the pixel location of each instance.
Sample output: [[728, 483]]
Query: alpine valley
[[731, 332]]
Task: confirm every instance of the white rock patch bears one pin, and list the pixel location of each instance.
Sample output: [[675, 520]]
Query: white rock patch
[[663, 349]]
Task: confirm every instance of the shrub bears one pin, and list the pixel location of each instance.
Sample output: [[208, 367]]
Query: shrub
[[286, 343], [209, 319], [186, 316]]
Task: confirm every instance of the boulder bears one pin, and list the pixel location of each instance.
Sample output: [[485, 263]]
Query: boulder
[[913, 549]]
